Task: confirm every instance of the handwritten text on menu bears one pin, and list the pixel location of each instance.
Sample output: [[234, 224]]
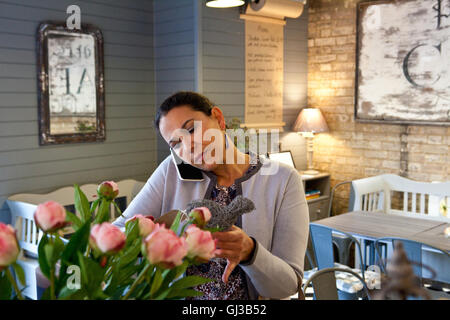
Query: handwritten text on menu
[[264, 73]]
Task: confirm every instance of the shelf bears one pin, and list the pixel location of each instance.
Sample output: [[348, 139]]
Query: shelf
[[313, 177], [321, 198]]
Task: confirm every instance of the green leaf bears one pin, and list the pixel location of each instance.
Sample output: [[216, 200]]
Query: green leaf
[[92, 275], [43, 262], [20, 274], [138, 293], [214, 229], [156, 281], [48, 249], [131, 231], [184, 293], [163, 294], [176, 222], [103, 212], [130, 253], [6, 288], [76, 222], [77, 243], [127, 272], [94, 205], [181, 269], [82, 204], [46, 295], [58, 248], [189, 282], [71, 294]]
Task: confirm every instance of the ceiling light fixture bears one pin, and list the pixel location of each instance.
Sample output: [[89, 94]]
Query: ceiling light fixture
[[224, 3]]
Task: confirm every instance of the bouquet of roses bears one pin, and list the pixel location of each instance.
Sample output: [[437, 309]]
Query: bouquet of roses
[[147, 261]]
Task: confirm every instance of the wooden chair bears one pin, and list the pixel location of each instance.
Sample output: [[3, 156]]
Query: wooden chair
[[23, 206], [415, 200], [419, 199]]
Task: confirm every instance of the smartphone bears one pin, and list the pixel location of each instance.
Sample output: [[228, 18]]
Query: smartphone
[[186, 172]]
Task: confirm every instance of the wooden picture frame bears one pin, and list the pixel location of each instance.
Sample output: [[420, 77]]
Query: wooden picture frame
[[401, 68], [71, 89]]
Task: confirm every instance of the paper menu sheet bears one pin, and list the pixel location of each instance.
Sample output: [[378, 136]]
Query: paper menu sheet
[[263, 73]]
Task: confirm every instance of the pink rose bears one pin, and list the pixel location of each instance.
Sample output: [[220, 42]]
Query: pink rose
[[107, 238], [108, 190], [201, 245], [201, 216], [146, 224], [164, 248], [50, 216], [9, 247]]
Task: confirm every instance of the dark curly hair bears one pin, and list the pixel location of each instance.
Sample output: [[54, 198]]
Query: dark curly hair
[[194, 100]]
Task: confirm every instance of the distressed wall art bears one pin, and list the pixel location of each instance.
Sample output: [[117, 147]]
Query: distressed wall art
[[403, 62], [70, 84]]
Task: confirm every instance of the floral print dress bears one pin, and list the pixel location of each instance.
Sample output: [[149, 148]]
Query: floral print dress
[[236, 288]]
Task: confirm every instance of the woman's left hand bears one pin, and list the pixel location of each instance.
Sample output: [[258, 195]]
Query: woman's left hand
[[235, 246]]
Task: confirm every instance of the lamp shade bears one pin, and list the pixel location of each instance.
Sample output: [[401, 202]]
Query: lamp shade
[[310, 120], [224, 3]]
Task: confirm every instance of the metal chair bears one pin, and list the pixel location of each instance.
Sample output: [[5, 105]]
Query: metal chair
[[413, 250], [342, 242], [322, 242], [324, 284], [372, 202]]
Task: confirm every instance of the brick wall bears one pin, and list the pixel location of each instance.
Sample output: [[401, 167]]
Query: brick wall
[[354, 150]]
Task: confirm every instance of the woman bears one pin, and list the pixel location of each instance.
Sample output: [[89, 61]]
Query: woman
[[263, 254]]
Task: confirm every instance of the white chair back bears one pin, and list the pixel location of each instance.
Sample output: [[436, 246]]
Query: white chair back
[[420, 199], [24, 205], [22, 219]]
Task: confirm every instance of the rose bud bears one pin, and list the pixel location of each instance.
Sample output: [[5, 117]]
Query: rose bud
[[9, 247], [201, 216], [201, 245], [146, 224], [108, 190], [107, 238], [50, 216], [164, 248]]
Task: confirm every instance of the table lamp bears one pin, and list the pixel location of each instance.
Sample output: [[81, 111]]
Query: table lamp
[[310, 121]]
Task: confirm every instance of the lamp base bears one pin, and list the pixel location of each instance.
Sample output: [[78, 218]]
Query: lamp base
[[310, 172]]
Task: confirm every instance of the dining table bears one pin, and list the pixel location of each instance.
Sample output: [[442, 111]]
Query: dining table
[[373, 225]]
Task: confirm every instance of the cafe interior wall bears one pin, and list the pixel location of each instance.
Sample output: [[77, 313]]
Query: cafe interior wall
[[207, 54], [353, 150], [130, 147], [152, 49]]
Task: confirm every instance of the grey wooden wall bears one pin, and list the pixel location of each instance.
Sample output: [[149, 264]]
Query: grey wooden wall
[[174, 41], [130, 147], [153, 48]]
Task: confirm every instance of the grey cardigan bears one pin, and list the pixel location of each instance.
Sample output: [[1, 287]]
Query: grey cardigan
[[280, 223]]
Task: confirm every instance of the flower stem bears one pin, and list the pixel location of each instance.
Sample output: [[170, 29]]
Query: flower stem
[[117, 208], [86, 254], [14, 284], [52, 283], [52, 271], [190, 221], [137, 281]]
